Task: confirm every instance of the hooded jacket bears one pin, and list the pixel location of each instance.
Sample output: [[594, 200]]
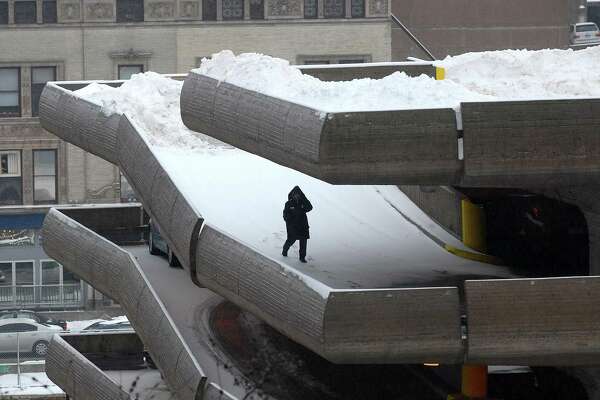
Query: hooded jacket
[[294, 214]]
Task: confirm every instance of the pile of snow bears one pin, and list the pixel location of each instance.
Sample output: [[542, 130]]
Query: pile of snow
[[277, 78], [486, 76], [522, 74], [32, 384]]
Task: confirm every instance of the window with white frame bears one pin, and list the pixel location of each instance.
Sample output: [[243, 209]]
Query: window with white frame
[[10, 93], [44, 176], [10, 163], [25, 12], [11, 185]]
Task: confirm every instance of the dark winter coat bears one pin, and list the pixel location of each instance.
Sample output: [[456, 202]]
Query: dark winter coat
[[294, 214]]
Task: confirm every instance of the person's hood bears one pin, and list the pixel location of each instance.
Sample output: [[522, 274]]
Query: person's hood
[[296, 189]]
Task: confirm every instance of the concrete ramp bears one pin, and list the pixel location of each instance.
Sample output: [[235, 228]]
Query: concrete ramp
[[115, 273], [308, 308]]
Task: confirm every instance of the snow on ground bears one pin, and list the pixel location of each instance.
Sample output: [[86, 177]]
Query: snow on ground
[[358, 237], [493, 75], [32, 383]]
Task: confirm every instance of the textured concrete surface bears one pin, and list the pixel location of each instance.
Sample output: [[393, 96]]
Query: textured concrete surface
[[83, 122], [178, 220], [405, 146], [115, 273], [77, 376], [344, 326], [550, 321], [441, 203], [532, 143]]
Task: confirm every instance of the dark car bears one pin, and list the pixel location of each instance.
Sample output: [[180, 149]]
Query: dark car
[[39, 318], [157, 245]]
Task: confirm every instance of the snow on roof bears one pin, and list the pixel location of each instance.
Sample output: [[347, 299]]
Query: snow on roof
[[492, 75]]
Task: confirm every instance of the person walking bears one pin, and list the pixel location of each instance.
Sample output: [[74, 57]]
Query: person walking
[[296, 222]]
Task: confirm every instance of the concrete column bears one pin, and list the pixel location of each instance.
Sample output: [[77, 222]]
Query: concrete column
[[26, 91], [27, 175], [320, 8], [246, 9], [348, 5], [219, 10], [11, 12], [39, 11]]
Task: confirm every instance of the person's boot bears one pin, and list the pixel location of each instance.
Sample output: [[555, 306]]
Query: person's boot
[[302, 260], [284, 252]]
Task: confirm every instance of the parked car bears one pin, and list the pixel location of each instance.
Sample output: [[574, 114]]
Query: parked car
[[118, 323], [585, 33], [32, 336], [39, 318], [157, 245]]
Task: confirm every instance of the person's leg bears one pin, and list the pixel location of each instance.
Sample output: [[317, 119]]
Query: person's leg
[[286, 246], [303, 250]]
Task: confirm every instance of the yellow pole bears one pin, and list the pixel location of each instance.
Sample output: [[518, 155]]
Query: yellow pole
[[474, 381], [473, 226], [474, 377]]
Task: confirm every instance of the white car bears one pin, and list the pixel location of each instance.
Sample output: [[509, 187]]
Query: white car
[[33, 337], [584, 34]]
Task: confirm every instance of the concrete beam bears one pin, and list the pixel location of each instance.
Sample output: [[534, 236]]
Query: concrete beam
[[115, 273], [541, 143], [178, 220], [379, 147], [343, 326], [547, 321], [77, 376]]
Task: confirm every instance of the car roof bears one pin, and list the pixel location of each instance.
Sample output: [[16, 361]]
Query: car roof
[[585, 23]]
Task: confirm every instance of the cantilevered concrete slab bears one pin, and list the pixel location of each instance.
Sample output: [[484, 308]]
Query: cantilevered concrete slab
[[325, 308], [320, 307], [115, 273], [376, 147]]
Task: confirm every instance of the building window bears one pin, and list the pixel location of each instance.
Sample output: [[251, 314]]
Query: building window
[[334, 8], [44, 176], [311, 8], [49, 11], [209, 10], [357, 8], [25, 12], [125, 71], [233, 9], [3, 12], [11, 192], [130, 10], [39, 77], [10, 94], [257, 9]]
